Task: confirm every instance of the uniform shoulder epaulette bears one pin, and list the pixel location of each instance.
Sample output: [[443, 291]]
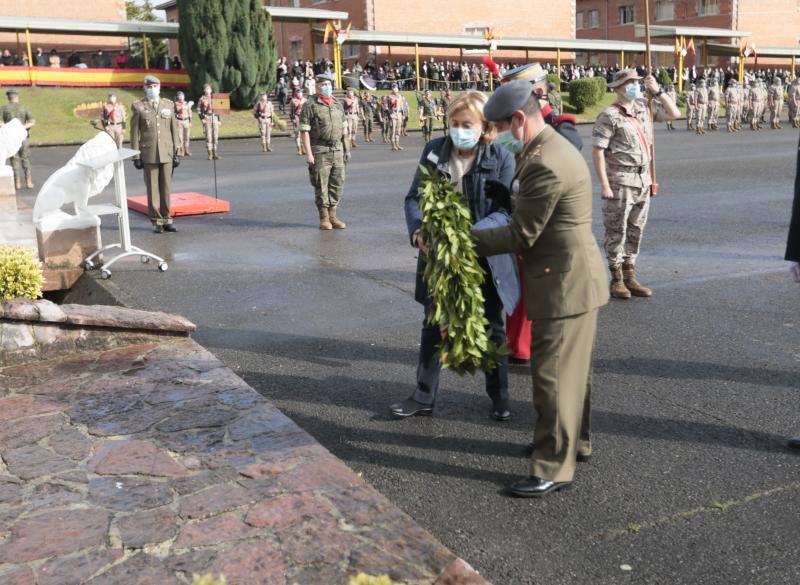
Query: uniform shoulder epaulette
[[569, 118]]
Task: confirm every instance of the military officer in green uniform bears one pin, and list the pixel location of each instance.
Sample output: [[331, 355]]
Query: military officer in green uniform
[[154, 132], [551, 228], [444, 102], [14, 109], [323, 129]]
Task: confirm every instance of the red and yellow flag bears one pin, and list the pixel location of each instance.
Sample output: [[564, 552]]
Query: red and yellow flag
[[690, 47]]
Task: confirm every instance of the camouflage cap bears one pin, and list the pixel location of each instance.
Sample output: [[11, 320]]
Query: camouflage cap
[[324, 77], [624, 76], [152, 80], [11, 91]]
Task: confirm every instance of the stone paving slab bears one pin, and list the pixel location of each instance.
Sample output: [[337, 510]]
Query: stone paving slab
[[148, 462]]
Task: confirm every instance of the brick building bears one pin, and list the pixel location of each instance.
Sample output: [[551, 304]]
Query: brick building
[[107, 10], [510, 18], [771, 22]]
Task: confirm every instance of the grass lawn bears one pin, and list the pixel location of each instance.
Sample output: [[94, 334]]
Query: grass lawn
[[63, 114]]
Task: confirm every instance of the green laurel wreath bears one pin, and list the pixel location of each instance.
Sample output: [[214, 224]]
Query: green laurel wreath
[[454, 278]]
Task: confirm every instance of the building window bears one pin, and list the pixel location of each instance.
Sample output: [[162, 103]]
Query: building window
[[626, 14], [665, 9], [594, 19], [297, 50], [474, 29], [707, 7], [579, 21]]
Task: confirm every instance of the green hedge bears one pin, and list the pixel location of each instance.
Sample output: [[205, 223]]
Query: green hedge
[[601, 87], [583, 93], [554, 79]]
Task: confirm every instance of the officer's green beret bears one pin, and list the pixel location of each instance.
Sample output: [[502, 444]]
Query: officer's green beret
[[507, 99]]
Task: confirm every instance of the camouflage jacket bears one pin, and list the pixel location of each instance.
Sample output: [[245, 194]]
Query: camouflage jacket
[[20, 112], [625, 134], [325, 124]]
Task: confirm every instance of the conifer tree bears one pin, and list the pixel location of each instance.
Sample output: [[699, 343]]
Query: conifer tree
[[229, 44]]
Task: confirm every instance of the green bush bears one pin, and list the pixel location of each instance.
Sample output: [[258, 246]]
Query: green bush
[[583, 93], [664, 79], [554, 79], [21, 275], [600, 86]]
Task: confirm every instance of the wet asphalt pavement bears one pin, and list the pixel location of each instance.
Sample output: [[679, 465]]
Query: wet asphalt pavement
[[695, 389]]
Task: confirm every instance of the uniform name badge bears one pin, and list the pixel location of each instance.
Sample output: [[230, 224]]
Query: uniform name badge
[[166, 113]]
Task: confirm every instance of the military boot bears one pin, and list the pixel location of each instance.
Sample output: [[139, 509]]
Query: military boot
[[618, 289], [216, 154], [353, 143], [398, 145], [335, 221], [210, 154], [778, 126], [633, 285], [263, 147], [299, 151], [269, 147], [189, 154], [28, 181], [394, 144], [17, 183], [324, 219]]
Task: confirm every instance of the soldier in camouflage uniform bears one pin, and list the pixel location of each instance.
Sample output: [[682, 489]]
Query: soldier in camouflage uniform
[[794, 103], [775, 100], [183, 114], [444, 102], [397, 106], [701, 106], [327, 144], [713, 104], [554, 99], [384, 117], [368, 106], [211, 122], [732, 105], [622, 138], [14, 109], [114, 118], [691, 110], [756, 109], [296, 104], [428, 109], [674, 97], [264, 113], [352, 112]]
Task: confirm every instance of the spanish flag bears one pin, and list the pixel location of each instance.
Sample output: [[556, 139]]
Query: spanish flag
[[690, 47], [677, 46], [329, 31]]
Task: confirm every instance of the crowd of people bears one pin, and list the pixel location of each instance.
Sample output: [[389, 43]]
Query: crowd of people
[[99, 59]]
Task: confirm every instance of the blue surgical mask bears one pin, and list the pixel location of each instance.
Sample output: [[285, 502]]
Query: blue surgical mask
[[510, 142], [633, 91], [326, 90], [152, 92], [463, 138]]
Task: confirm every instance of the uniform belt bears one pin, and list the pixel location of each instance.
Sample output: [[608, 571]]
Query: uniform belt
[[114, 123], [629, 168]]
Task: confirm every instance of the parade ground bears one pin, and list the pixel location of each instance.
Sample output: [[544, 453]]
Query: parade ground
[[695, 390]]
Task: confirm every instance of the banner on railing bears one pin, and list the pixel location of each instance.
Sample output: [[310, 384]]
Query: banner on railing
[[74, 77]]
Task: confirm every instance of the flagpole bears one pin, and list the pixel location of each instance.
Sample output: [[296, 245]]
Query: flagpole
[[654, 188]]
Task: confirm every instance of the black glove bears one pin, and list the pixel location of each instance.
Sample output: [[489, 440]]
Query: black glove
[[137, 164], [176, 161], [499, 193]]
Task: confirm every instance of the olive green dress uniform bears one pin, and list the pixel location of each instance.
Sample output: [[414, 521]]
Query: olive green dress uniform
[[327, 130], [565, 284], [154, 132], [8, 112]]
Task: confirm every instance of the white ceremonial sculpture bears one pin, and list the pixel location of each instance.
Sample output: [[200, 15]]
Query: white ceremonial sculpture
[[12, 135], [75, 183], [87, 174]]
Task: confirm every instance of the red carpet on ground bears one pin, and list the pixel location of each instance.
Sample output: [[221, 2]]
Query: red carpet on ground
[[184, 204]]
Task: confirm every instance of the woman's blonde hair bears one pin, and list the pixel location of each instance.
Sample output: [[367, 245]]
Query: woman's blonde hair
[[474, 101]]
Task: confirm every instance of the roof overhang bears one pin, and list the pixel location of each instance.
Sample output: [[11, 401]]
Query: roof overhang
[[366, 37], [733, 51], [284, 13], [702, 32], [122, 28]]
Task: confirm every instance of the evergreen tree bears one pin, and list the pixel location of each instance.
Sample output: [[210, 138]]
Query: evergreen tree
[[230, 45]]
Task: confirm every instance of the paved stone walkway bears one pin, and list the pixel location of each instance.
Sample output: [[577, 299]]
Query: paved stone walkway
[[130, 455]]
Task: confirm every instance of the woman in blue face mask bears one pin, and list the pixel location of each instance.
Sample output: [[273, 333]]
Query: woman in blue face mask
[[468, 157]]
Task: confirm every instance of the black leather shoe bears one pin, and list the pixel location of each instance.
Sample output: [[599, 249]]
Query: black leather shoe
[[793, 443], [500, 411], [410, 407], [159, 229], [579, 457], [534, 487], [170, 228], [512, 361]]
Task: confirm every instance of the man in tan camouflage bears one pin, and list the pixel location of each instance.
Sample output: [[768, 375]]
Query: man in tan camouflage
[[701, 103], [775, 100], [622, 139]]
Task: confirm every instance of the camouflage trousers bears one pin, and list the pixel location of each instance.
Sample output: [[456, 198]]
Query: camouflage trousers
[[775, 112], [352, 125], [23, 156], [397, 125], [702, 113], [427, 128], [116, 132], [624, 218], [265, 130], [327, 177], [713, 113], [690, 117], [367, 124], [211, 131], [184, 136]]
